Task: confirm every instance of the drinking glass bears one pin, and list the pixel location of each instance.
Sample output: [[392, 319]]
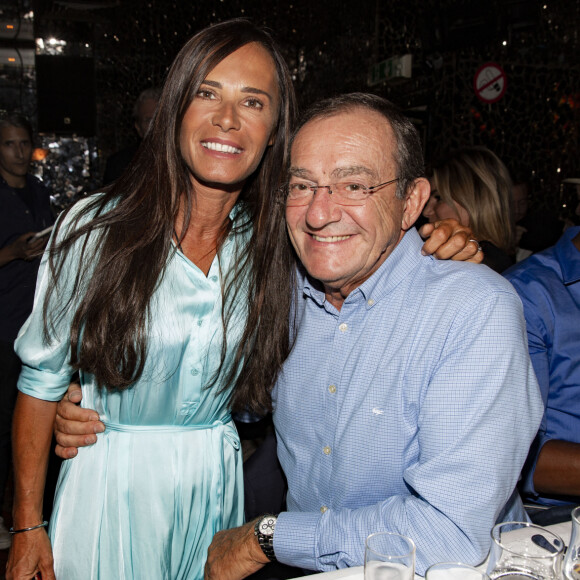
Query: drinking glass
[[389, 556], [524, 551], [454, 571], [572, 560]]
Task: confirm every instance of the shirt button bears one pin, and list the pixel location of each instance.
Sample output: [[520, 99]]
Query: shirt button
[[200, 322], [332, 389], [214, 278], [195, 372], [343, 327], [326, 450], [370, 301], [323, 509]]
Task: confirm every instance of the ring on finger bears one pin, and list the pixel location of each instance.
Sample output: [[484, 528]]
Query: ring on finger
[[477, 244]]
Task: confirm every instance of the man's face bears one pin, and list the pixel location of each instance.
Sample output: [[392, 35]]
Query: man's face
[[145, 113], [342, 246], [15, 155]]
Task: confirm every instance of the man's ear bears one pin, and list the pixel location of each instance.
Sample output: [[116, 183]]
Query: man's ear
[[417, 197]]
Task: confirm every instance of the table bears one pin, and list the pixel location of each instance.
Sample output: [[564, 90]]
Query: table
[[563, 530]]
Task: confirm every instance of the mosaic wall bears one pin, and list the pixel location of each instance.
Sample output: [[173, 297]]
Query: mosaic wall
[[330, 46]]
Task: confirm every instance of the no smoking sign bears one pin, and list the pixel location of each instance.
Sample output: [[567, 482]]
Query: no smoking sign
[[490, 82]]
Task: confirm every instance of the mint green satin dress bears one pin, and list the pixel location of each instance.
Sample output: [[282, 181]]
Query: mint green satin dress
[[145, 501]]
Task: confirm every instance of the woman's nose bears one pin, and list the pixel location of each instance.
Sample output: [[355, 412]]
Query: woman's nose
[[226, 117]]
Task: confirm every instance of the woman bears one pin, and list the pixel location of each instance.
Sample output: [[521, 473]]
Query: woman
[[158, 291], [146, 294], [474, 187]]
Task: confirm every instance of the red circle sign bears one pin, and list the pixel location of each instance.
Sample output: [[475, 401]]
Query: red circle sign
[[490, 82]]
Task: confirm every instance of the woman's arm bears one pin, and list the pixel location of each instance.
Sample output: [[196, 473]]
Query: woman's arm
[[31, 435]]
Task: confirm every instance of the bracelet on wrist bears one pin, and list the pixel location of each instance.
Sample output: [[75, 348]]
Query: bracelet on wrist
[[42, 525]]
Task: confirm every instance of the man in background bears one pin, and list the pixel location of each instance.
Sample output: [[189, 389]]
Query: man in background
[[143, 112], [25, 211]]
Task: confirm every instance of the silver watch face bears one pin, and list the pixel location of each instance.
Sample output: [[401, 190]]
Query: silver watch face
[[267, 525]]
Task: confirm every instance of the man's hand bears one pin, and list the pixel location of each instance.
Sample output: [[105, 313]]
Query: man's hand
[[23, 248], [234, 554], [449, 240], [74, 426]]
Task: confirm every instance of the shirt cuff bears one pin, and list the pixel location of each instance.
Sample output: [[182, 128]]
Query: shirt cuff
[[43, 385], [294, 539]]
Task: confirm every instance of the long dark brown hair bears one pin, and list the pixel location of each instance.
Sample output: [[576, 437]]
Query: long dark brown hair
[[134, 220]]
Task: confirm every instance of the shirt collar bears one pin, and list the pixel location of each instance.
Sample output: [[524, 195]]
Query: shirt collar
[[394, 269], [568, 256]]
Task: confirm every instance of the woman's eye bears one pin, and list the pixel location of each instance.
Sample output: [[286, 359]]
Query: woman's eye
[[205, 94], [254, 104]]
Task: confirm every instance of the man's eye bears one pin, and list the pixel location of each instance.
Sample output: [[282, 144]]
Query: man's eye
[[298, 187], [354, 187]]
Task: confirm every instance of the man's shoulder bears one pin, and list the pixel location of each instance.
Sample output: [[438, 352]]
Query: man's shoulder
[[461, 278]]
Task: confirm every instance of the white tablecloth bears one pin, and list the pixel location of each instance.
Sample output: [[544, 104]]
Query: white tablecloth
[[563, 530]]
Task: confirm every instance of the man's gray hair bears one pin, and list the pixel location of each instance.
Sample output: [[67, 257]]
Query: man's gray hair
[[408, 155]]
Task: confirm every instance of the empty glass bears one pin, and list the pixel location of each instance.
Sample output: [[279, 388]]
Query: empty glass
[[524, 551], [572, 560], [454, 571], [389, 556]]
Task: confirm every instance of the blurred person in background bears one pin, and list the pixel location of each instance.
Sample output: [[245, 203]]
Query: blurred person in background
[[25, 211], [143, 112], [474, 187]]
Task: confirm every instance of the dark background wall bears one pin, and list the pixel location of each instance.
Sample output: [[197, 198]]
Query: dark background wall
[[330, 46]]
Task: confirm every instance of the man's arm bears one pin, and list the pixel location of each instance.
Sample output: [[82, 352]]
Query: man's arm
[[558, 469]]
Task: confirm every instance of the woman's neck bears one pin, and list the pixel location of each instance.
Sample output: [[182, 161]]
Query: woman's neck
[[208, 224]]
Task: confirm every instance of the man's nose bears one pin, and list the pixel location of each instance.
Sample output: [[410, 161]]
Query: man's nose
[[321, 209], [226, 117]]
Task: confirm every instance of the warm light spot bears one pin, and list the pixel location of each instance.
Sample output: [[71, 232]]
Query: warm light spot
[[10, 26], [11, 59], [39, 154]]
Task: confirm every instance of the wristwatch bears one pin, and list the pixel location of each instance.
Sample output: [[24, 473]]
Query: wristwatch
[[264, 531]]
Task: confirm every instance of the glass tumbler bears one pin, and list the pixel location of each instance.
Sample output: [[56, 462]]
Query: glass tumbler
[[389, 556], [572, 560], [524, 551]]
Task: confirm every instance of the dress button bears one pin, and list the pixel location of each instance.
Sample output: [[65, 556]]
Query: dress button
[[323, 509], [326, 450], [195, 372], [370, 301], [332, 389], [343, 327]]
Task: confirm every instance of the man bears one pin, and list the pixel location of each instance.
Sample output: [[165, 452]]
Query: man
[[143, 112], [549, 285], [25, 211], [408, 402]]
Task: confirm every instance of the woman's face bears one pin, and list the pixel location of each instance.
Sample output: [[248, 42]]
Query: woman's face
[[436, 210], [231, 119]]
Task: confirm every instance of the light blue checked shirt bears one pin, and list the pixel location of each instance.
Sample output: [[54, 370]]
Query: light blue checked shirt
[[411, 410]]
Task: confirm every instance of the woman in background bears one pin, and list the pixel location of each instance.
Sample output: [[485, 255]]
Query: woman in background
[[474, 187]]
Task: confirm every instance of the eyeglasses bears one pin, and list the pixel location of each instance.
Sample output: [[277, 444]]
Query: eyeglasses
[[345, 193]]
